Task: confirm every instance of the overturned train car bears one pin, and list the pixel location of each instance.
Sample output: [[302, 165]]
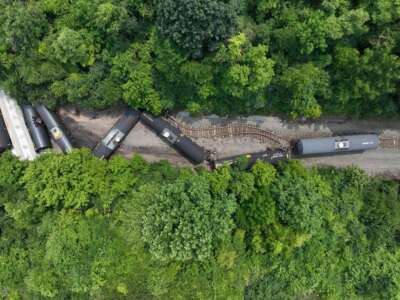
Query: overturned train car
[[172, 135], [55, 129], [269, 156], [36, 128], [5, 141], [115, 136], [337, 145]]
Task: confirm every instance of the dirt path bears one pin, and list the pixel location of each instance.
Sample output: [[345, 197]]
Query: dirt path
[[88, 128]]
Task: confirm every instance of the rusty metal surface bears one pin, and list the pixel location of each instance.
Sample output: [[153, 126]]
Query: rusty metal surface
[[390, 142]]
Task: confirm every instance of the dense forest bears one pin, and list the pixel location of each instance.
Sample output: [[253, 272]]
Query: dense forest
[[75, 227], [298, 58]]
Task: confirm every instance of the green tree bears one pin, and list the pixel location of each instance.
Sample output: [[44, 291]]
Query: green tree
[[300, 197], [184, 222], [74, 181], [135, 68], [196, 26], [243, 74], [364, 83], [301, 86], [234, 78], [81, 257], [128, 229], [380, 213], [23, 24], [74, 47]]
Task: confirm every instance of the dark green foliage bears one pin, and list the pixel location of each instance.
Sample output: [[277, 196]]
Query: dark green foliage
[[300, 58], [235, 76], [257, 206], [196, 26], [365, 82], [302, 85], [22, 26], [381, 214]]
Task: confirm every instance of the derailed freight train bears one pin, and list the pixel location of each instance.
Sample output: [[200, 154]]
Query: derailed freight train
[[40, 117], [55, 129], [269, 156], [36, 128], [337, 145], [115, 136], [5, 141], [173, 136], [308, 148], [303, 148]]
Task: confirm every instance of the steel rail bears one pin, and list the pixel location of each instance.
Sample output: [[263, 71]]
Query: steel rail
[[232, 130]]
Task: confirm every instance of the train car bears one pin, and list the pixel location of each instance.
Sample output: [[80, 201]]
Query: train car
[[269, 156], [54, 127], [172, 135], [5, 141], [36, 128], [115, 136], [337, 145]]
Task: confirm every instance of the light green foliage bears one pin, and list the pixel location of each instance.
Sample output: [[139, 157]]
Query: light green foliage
[[307, 272], [75, 181], [111, 20], [243, 185], [135, 66], [219, 180], [300, 197], [70, 47], [383, 271], [184, 222], [245, 72], [384, 11], [11, 170], [74, 227], [78, 181], [264, 174], [81, 253], [222, 277], [14, 265]]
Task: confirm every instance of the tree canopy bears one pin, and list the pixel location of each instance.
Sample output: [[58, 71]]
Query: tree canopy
[[298, 58], [75, 227]]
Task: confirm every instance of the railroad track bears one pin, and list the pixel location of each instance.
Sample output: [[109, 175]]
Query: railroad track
[[233, 130], [390, 142], [238, 129]]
